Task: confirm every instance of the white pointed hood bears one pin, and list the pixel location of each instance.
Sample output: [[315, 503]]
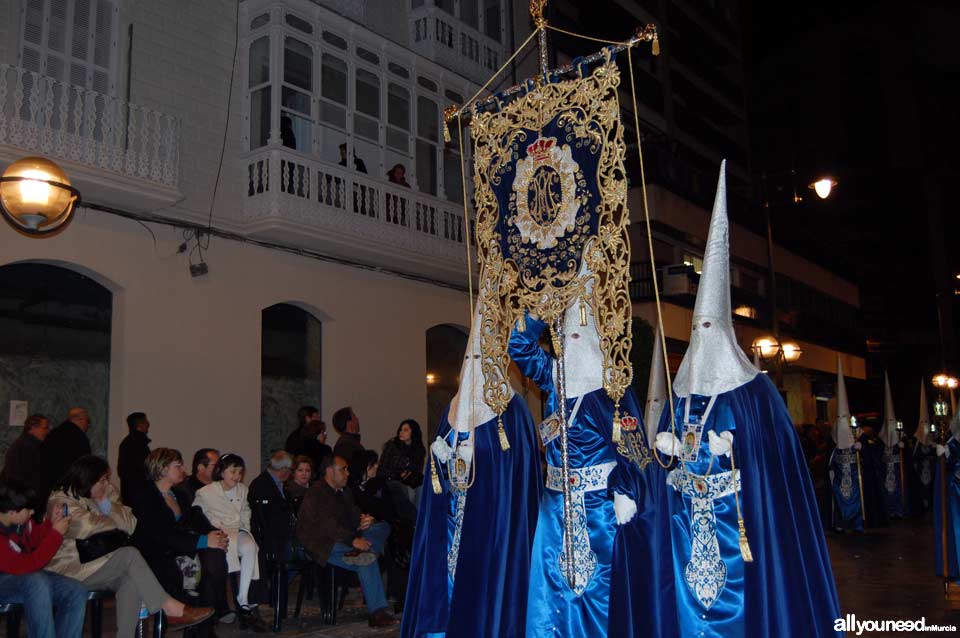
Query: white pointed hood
[[955, 426], [923, 426], [714, 362], [582, 356], [842, 433], [656, 389], [888, 432], [467, 408]]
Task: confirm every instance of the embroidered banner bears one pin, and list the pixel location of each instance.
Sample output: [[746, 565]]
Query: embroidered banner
[[550, 190]]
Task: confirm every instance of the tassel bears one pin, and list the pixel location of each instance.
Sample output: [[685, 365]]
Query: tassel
[[446, 133], [504, 442], [522, 323], [434, 478], [583, 312], [617, 436], [655, 49], [744, 545]]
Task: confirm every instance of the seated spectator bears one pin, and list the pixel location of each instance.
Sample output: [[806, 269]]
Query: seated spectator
[[372, 495], [398, 175], [23, 458], [105, 561], [299, 482], [401, 465], [271, 511], [164, 534], [134, 449], [25, 549], [204, 460], [224, 503], [334, 530], [310, 437]]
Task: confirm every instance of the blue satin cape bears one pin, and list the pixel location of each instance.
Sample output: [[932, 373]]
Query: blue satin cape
[[555, 609], [489, 595], [952, 476], [788, 589], [846, 513]]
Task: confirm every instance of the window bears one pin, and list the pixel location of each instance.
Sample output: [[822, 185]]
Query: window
[[298, 23], [445, 5], [470, 12], [74, 42], [427, 83], [335, 40], [695, 261], [296, 115], [491, 19], [452, 182], [427, 136], [369, 56], [368, 105], [258, 83], [454, 97], [396, 69], [261, 20], [398, 117], [333, 87]]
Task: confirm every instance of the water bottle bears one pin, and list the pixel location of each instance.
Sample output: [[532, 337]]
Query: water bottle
[[144, 614]]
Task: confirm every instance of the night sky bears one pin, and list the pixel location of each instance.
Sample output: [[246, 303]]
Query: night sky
[[867, 91]]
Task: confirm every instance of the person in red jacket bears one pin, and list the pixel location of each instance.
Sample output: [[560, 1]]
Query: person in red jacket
[[54, 605]]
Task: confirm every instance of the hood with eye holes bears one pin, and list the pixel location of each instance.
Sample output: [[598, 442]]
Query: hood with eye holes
[[714, 362], [467, 408]]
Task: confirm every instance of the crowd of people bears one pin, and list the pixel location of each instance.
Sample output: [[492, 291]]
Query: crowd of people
[[196, 541]]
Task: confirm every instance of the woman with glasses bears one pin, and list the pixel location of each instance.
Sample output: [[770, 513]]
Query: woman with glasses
[[96, 548]]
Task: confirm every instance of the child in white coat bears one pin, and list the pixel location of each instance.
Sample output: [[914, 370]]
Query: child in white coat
[[224, 503]]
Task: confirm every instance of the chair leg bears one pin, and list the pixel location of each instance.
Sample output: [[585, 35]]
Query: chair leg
[[301, 591], [96, 619], [279, 578], [159, 625]]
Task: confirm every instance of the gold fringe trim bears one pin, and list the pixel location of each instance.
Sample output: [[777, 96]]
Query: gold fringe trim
[[617, 436], [504, 441]]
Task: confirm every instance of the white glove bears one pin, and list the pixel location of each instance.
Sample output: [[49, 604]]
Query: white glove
[[943, 450], [441, 450], [624, 507], [668, 444], [857, 446], [465, 451], [720, 445]]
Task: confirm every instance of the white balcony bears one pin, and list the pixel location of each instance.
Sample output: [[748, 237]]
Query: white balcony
[[304, 202], [114, 152], [441, 38]]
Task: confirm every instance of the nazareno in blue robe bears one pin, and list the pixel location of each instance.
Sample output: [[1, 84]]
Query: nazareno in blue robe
[[555, 609], [846, 511], [788, 589], [952, 480], [487, 597], [892, 489]]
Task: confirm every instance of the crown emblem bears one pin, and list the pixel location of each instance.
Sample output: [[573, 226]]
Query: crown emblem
[[628, 423], [540, 150]]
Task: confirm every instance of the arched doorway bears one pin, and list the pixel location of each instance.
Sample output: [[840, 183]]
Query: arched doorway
[[55, 331], [289, 372], [446, 344]]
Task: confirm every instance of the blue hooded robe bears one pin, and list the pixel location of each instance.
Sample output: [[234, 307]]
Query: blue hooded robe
[[952, 480], [788, 589], [471, 549], [846, 512]]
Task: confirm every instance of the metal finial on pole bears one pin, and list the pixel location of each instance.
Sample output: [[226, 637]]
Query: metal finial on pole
[[537, 8]]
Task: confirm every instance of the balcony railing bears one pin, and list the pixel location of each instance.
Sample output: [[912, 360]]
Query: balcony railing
[[284, 185], [59, 120], [442, 38]]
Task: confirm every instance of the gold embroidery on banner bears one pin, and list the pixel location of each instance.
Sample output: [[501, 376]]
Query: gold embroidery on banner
[[545, 186]]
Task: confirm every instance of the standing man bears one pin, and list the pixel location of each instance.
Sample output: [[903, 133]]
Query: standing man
[[134, 450], [67, 443], [202, 474], [332, 528], [347, 425], [310, 437], [23, 455]]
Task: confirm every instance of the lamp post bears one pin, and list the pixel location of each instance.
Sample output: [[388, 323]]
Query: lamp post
[[771, 349], [943, 381], [823, 188], [36, 197]]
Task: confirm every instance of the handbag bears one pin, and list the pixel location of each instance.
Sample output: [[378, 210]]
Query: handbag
[[101, 544]]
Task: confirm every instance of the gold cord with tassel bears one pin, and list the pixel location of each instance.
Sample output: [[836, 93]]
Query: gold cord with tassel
[[504, 441], [434, 477], [744, 544]]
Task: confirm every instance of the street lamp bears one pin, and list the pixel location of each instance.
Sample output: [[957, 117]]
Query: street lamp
[[36, 197], [824, 190], [769, 349]]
